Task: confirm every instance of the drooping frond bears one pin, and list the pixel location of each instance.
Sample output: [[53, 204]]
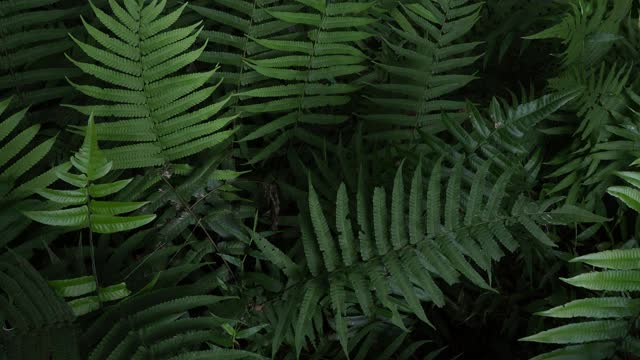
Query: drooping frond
[[429, 66], [98, 215], [152, 107], [630, 195]]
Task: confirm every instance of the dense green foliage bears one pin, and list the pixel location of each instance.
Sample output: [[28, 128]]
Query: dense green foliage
[[319, 179]]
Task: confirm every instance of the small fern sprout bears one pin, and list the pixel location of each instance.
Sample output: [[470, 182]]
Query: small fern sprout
[[87, 211]]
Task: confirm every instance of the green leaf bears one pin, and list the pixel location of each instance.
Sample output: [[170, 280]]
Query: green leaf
[[74, 287], [594, 351], [605, 307], [614, 280], [581, 332], [114, 207], [323, 234], [619, 259], [308, 307], [398, 229], [629, 196], [78, 216], [113, 292], [102, 190], [65, 197], [109, 224], [84, 305], [569, 214], [344, 228]]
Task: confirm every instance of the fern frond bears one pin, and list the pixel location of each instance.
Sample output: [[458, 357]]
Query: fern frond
[[161, 324], [235, 24], [505, 137], [29, 305], [599, 17], [393, 256], [429, 68], [621, 274], [12, 166], [139, 66], [317, 66], [33, 38], [99, 216]]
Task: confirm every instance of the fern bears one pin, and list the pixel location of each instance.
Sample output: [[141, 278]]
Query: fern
[[199, 217], [74, 288], [22, 157], [605, 122], [155, 324], [158, 325], [420, 170], [317, 68], [589, 30], [429, 67], [97, 215], [140, 61], [505, 23], [234, 25], [401, 250], [32, 42], [505, 136], [15, 162], [36, 322], [612, 320], [603, 96]]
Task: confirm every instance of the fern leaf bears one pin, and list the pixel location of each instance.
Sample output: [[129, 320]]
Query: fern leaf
[[97, 215], [344, 228], [452, 198], [603, 308], [74, 287], [307, 310], [433, 201], [155, 118], [77, 216], [380, 224], [338, 301], [398, 230], [321, 227], [416, 212], [597, 350], [615, 280], [582, 332], [400, 277], [621, 259], [276, 256], [629, 196]]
